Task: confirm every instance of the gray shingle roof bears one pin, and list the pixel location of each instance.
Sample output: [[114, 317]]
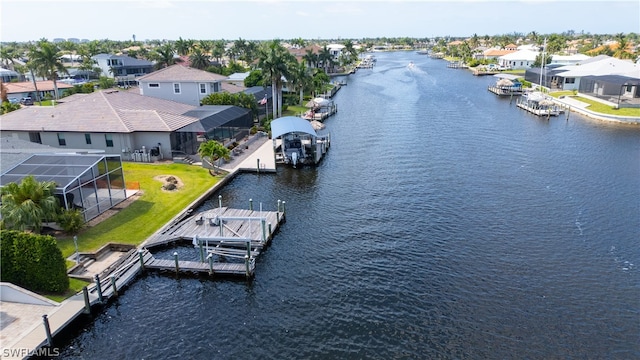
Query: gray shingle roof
[[108, 112], [179, 73]]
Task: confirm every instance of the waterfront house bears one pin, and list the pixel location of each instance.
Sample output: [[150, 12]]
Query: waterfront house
[[124, 69], [182, 84], [521, 59], [139, 128], [19, 90]]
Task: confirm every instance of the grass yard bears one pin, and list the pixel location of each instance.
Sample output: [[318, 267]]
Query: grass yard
[[599, 107], [155, 208]]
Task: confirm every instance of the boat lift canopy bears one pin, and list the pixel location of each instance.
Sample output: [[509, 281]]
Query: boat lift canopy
[[291, 124]]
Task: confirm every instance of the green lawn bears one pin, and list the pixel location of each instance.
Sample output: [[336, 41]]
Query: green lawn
[[154, 209], [599, 107]]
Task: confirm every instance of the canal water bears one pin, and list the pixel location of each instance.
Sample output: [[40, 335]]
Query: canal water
[[444, 222]]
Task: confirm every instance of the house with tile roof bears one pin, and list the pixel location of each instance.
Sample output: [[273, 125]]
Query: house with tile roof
[[22, 89], [128, 124], [181, 84]]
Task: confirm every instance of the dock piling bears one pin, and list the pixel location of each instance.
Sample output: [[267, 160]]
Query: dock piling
[[99, 288], [47, 330], [210, 258], [258, 166], [251, 204], [247, 267], [175, 258], [201, 249], [113, 284], [220, 201], [87, 304], [140, 254]]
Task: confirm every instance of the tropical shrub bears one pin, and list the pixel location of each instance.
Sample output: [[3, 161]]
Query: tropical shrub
[[32, 261]]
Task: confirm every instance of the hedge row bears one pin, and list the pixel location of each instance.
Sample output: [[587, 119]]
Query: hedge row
[[32, 261]]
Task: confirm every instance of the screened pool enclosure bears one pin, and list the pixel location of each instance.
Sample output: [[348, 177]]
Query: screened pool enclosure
[[91, 183]]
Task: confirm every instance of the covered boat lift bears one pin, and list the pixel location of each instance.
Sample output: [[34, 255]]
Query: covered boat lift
[[296, 142]]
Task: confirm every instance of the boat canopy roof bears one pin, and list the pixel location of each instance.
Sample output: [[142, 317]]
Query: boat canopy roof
[[508, 76], [290, 124]]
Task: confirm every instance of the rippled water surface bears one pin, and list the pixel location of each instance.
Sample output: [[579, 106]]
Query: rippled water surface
[[443, 223]]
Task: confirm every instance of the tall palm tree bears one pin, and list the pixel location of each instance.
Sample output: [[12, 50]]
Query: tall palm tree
[[26, 205], [163, 56], [311, 58], [300, 78], [46, 60], [326, 59], [218, 50], [199, 59], [183, 47], [273, 59]]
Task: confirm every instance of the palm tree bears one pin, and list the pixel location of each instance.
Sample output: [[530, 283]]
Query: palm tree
[[622, 51], [212, 150], [326, 59], [273, 59], [199, 60], [26, 205], [183, 47], [311, 58], [163, 55], [218, 50], [46, 59], [300, 78]]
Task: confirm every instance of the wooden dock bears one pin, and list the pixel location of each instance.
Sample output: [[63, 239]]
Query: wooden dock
[[231, 224]]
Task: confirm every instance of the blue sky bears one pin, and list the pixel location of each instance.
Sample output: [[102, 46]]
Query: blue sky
[[24, 20]]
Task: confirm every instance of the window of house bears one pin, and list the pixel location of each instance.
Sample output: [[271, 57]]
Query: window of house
[[34, 137], [61, 140], [87, 138], [176, 88], [216, 87], [108, 138], [203, 88], [570, 80], [153, 85]]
